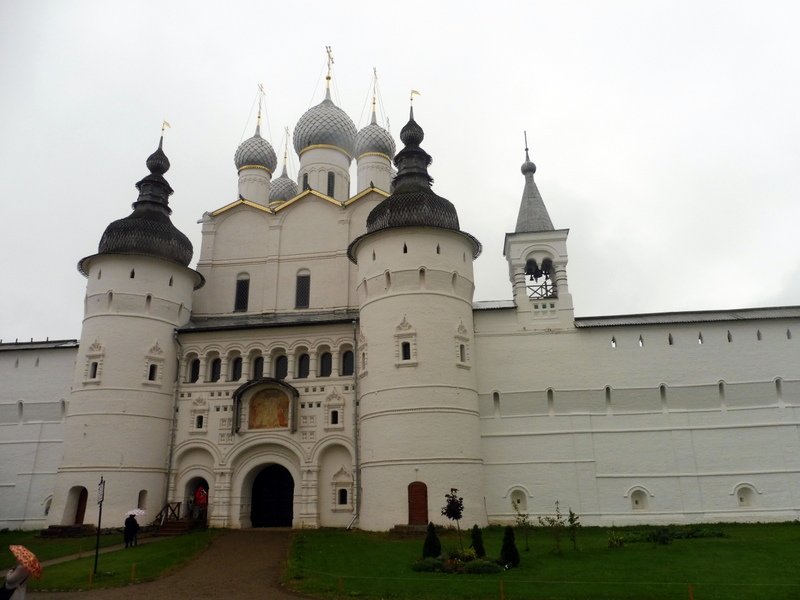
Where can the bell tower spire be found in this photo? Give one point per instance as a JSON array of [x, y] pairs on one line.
[[537, 261]]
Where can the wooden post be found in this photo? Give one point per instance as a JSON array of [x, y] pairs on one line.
[[502, 591], [133, 572], [340, 587], [91, 573], [691, 595]]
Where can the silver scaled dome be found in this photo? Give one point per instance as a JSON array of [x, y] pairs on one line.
[[325, 124], [374, 139], [282, 188], [255, 152]]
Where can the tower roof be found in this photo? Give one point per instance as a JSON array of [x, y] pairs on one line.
[[374, 139], [413, 202], [283, 188], [533, 215], [148, 230], [325, 125], [256, 152]]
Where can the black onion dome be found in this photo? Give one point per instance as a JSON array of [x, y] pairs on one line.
[[325, 124], [256, 152], [413, 203], [374, 139], [283, 188], [149, 230]]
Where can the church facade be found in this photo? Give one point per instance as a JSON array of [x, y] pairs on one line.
[[325, 365]]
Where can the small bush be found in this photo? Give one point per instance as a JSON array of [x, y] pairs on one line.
[[509, 555], [482, 567], [615, 539], [477, 541], [428, 565], [464, 556], [432, 547]]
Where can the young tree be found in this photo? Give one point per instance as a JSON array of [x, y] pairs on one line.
[[454, 510], [556, 527], [509, 555], [432, 547], [477, 541], [523, 522], [573, 524]]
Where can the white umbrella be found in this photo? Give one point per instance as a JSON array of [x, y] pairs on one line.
[[136, 511]]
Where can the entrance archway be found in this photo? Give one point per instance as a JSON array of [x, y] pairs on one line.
[[196, 501], [417, 503], [80, 510], [273, 496]]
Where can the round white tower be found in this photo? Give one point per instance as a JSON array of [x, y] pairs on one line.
[[420, 433], [121, 407]]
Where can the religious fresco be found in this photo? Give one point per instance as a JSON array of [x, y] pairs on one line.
[[269, 409]]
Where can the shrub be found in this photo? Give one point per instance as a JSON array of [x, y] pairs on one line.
[[509, 555], [477, 542], [428, 565], [482, 567], [432, 547], [615, 539], [554, 525], [573, 524], [464, 556]]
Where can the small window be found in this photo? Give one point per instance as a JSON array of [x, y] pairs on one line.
[[281, 367], [639, 500], [342, 497], [198, 422], [348, 363], [93, 371], [142, 501], [334, 417], [303, 366], [406, 350], [216, 369], [258, 367], [405, 249], [152, 373], [305, 182], [331, 183], [170, 282], [303, 291], [236, 369], [133, 273], [325, 364], [194, 371], [242, 293], [462, 352]]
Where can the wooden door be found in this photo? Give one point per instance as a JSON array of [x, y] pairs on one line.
[[417, 503]]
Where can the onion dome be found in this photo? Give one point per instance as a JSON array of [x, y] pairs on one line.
[[325, 125], [256, 152], [149, 230], [533, 215], [413, 203], [374, 139], [283, 188]]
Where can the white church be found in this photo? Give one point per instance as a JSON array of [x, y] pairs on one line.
[[324, 364]]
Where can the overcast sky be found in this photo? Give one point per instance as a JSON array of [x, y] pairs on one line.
[[666, 134]]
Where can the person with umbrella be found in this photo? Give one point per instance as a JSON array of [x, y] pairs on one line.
[[16, 585]]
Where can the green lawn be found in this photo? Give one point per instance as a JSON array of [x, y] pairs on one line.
[[754, 561], [117, 568]]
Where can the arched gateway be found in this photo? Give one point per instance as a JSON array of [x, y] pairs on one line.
[[273, 494]]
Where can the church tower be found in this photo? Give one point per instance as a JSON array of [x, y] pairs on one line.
[[537, 262], [120, 412], [420, 433]]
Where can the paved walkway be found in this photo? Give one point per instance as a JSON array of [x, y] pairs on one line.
[[241, 564]]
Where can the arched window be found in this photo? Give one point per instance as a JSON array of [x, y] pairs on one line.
[[236, 369], [334, 417], [194, 371], [303, 364], [325, 364], [305, 182], [142, 501], [546, 288], [406, 350], [639, 500], [216, 370], [281, 367], [519, 501], [342, 497], [331, 183], [152, 372], [93, 371], [198, 422], [258, 368], [242, 293], [303, 289], [348, 363]]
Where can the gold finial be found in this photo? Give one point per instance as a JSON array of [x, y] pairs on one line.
[[286, 148], [412, 95], [526, 140], [330, 63], [261, 95]]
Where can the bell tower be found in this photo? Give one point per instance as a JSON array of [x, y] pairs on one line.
[[537, 262]]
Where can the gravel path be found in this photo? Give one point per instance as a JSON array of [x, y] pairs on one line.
[[241, 564]]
